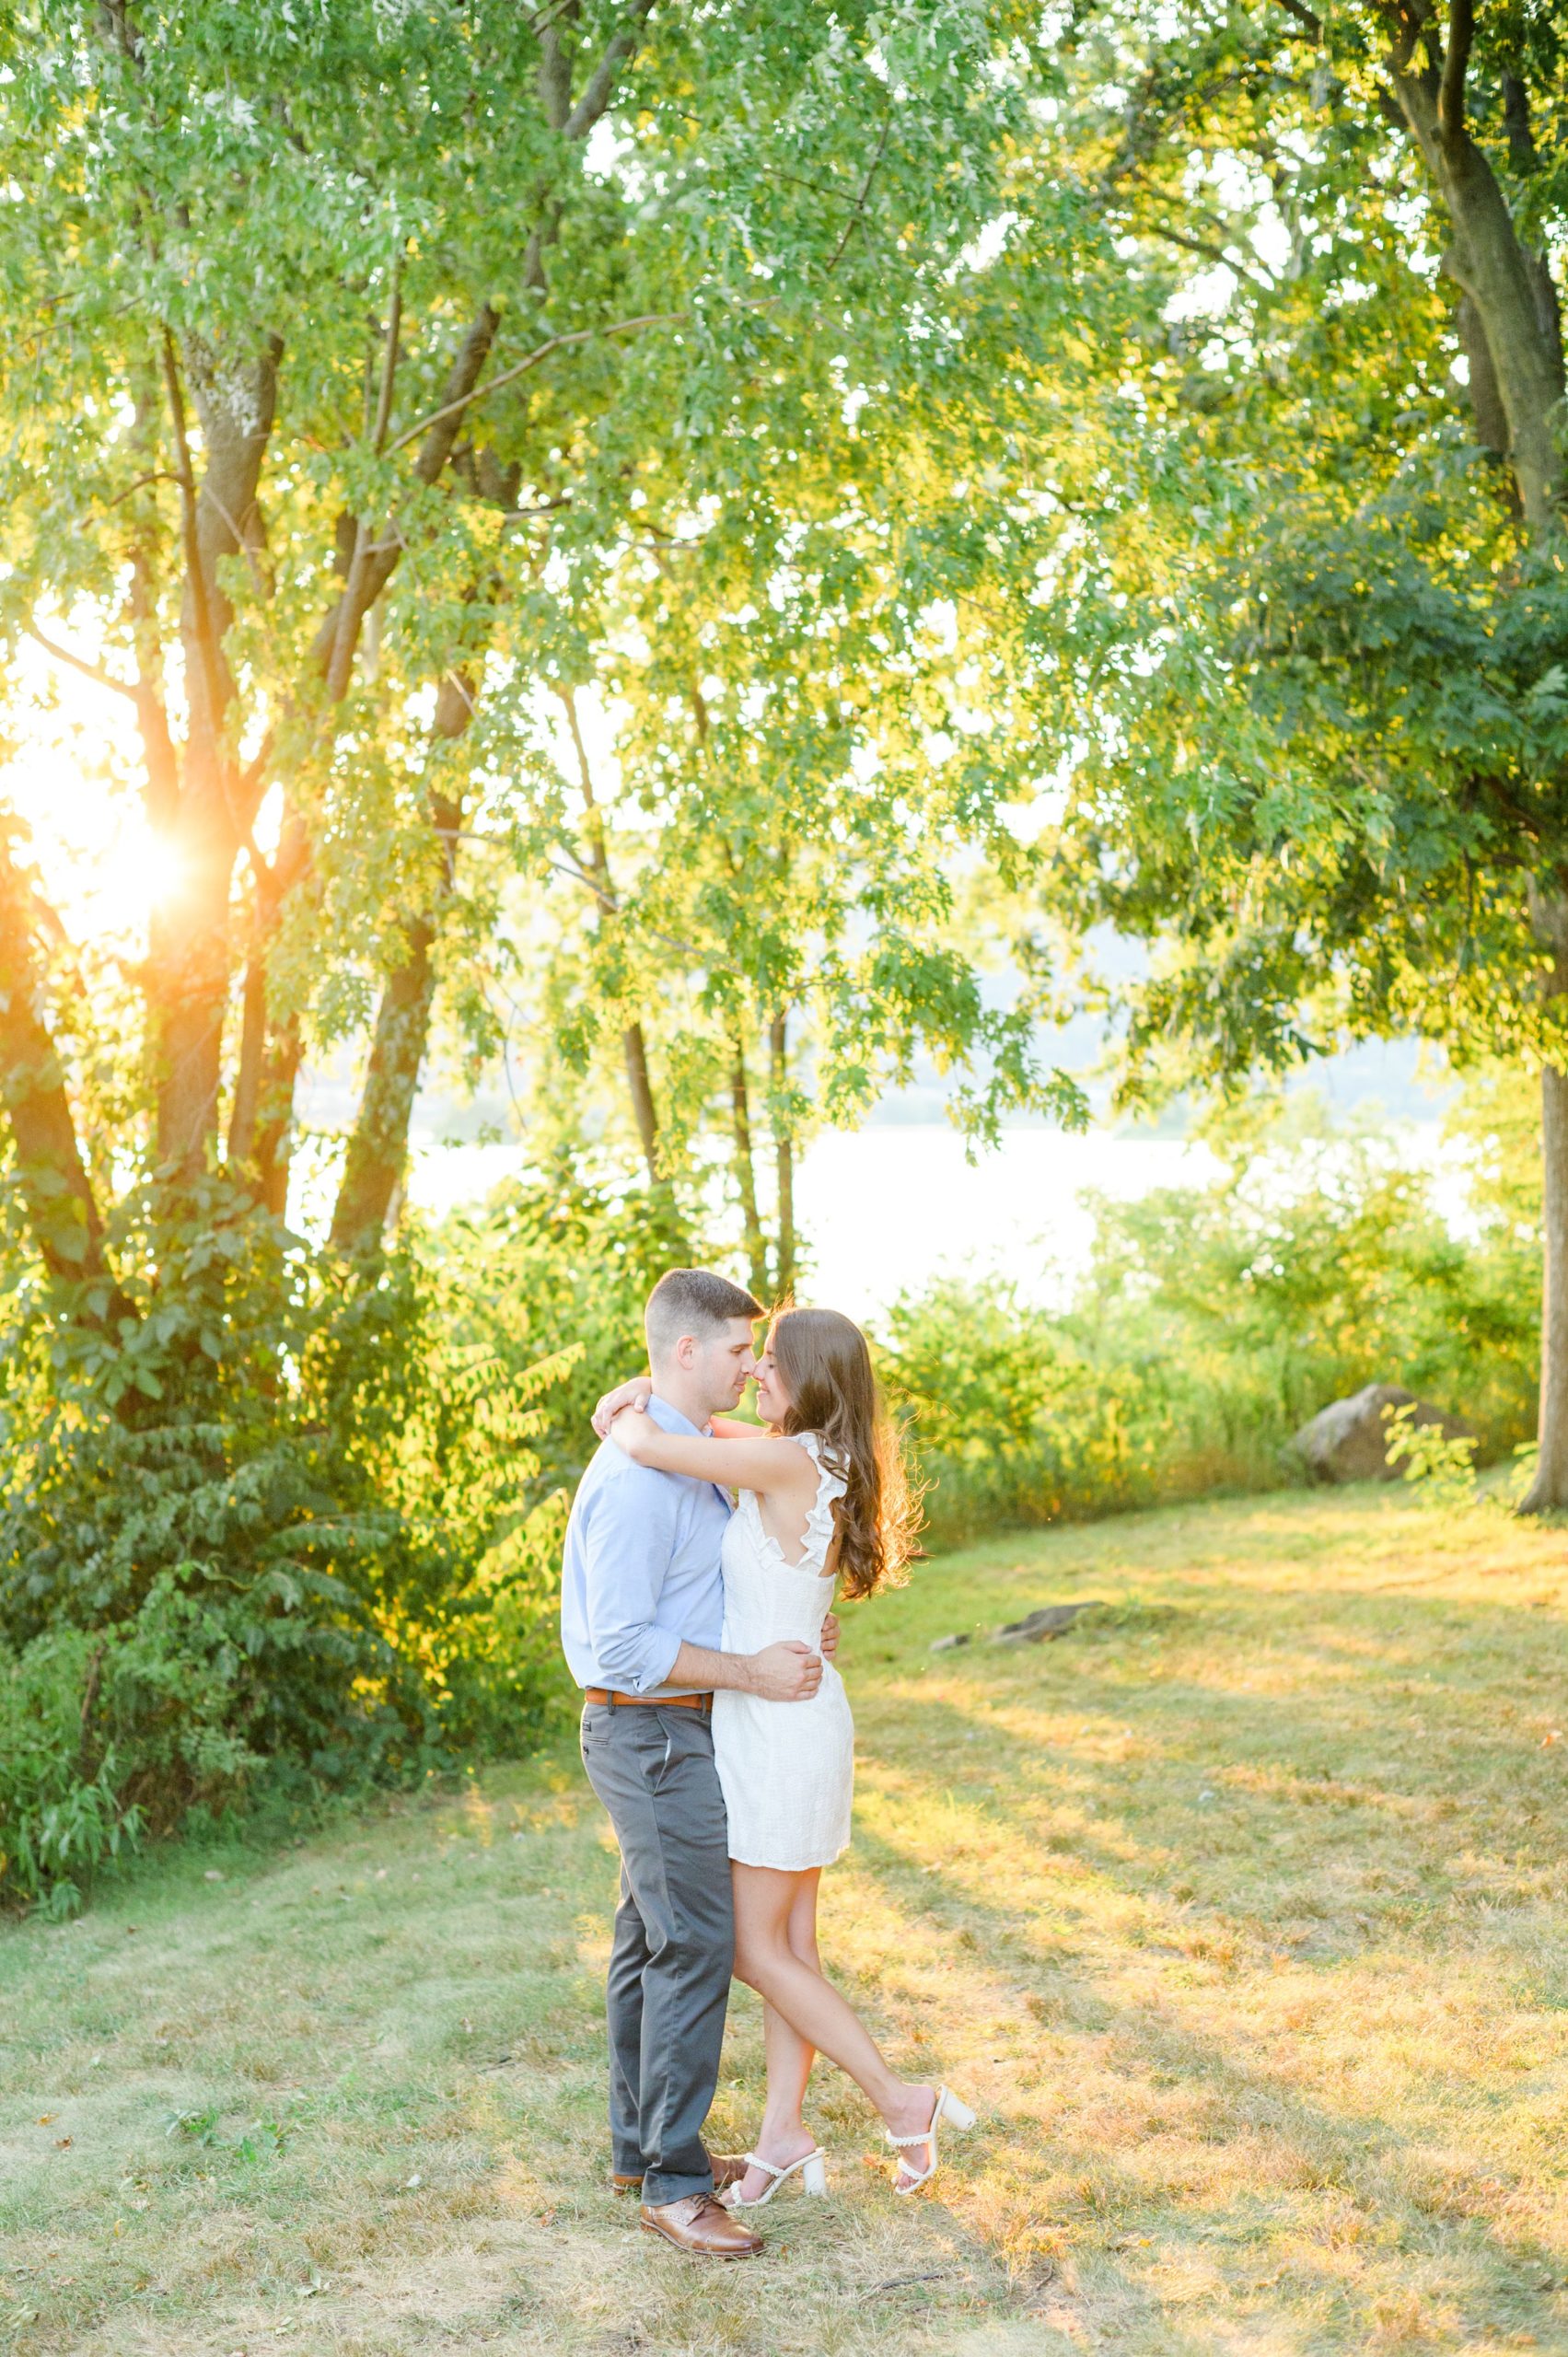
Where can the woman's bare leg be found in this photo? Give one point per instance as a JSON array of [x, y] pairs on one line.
[[809, 2004], [784, 2135]]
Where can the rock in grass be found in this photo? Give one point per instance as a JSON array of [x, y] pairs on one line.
[[1050, 1620], [1035, 1628], [1348, 1440]]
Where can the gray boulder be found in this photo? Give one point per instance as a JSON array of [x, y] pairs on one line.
[[1034, 1629], [1039, 1628], [1349, 1440]]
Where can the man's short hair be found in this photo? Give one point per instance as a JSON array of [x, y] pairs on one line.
[[693, 1301]]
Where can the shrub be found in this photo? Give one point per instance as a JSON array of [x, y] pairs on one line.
[[61, 1811], [287, 1523], [556, 1271], [1209, 1324]]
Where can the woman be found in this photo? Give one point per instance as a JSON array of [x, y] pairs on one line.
[[822, 1499]]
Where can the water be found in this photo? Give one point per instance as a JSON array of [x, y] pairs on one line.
[[885, 1209]]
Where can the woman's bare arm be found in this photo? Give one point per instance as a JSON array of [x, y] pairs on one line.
[[771, 1467]]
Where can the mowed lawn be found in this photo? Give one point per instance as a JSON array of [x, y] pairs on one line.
[[1240, 1914]]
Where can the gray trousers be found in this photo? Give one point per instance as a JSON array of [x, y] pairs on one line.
[[674, 1945]]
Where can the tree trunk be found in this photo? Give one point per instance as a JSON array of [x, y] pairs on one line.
[[252, 1056], [274, 1116], [634, 1041], [1550, 1488], [644, 1113], [1516, 329], [189, 941], [378, 1149], [261, 1134], [62, 1212], [746, 1177], [1548, 914], [188, 960], [784, 1149], [1509, 285]]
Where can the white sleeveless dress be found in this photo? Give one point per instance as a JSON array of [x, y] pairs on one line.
[[787, 1769]]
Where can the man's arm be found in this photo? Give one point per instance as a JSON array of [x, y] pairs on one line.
[[631, 1528], [628, 1537], [782, 1673]]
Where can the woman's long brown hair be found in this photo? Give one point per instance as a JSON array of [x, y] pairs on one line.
[[825, 1366]]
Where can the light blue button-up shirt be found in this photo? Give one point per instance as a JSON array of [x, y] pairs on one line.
[[641, 1575]]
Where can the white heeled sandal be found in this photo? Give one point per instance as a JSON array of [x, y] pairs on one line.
[[946, 2107], [813, 2168]]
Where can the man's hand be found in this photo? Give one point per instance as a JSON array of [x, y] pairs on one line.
[[830, 1636], [786, 1673], [636, 1394], [635, 1434]]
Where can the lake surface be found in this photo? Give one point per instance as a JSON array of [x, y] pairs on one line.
[[888, 1207]]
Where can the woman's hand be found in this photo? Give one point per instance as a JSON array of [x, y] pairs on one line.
[[637, 1435], [636, 1394]]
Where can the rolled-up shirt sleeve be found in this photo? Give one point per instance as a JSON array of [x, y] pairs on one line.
[[632, 1529]]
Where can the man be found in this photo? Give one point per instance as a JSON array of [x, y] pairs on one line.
[[641, 1615]]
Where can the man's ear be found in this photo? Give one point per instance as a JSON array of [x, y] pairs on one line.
[[686, 1351]]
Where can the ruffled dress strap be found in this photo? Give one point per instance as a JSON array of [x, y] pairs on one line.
[[831, 1486]]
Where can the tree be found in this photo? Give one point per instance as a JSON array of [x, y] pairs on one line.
[[348, 343], [263, 279], [771, 835], [1305, 653]]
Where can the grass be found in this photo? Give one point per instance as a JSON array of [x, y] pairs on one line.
[[1240, 1913]]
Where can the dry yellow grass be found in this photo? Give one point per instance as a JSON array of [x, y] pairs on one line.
[[1241, 1914]]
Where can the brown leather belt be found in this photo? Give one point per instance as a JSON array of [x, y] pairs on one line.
[[650, 1701]]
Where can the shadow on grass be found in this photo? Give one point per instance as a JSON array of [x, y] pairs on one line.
[[1370, 1734], [1408, 2198]]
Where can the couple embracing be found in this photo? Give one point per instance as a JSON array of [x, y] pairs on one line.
[[717, 1735]]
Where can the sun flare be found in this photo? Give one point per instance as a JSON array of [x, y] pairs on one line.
[[134, 878], [104, 869]]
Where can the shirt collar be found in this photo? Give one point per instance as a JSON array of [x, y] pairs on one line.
[[670, 1420]]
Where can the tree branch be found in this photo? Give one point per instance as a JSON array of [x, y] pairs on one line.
[[1214, 253], [440, 429], [354, 603], [1456, 65], [858, 208], [572, 868], [542, 351], [157, 474], [389, 353], [602, 82], [78, 663], [241, 542], [199, 609]]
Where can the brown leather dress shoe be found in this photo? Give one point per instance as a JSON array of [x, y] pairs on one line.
[[701, 2226]]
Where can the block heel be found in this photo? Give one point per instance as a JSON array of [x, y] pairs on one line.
[[956, 2115]]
